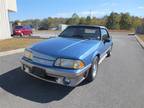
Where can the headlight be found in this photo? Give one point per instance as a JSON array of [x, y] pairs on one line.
[[28, 54], [68, 63]]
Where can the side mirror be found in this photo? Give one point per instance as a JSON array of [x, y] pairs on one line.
[[105, 39]]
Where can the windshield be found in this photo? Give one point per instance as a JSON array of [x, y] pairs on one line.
[[18, 27], [81, 32]]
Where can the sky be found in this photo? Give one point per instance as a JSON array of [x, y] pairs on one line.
[[33, 9]]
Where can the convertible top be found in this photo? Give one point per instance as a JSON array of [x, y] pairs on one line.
[[88, 26]]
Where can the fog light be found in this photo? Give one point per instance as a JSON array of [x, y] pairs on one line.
[[66, 81]]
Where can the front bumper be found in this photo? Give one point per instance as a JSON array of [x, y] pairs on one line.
[[56, 75]]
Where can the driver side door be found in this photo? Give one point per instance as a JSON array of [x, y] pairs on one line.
[[105, 38]]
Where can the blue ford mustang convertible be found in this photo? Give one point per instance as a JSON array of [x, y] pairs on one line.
[[71, 57]]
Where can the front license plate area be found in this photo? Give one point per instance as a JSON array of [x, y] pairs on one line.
[[39, 72]]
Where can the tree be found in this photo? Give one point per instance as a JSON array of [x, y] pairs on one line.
[[44, 24], [113, 21], [125, 22], [142, 21], [35, 23], [16, 22], [82, 20], [136, 21], [73, 20], [51, 22], [94, 21], [75, 16], [88, 20]]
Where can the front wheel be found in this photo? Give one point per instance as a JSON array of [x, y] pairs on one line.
[[30, 34], [21, 35], [93, 70], [109, 53]]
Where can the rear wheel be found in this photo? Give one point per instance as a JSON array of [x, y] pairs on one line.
[[93, 70]]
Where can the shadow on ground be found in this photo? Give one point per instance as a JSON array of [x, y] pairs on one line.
[[20, 84]]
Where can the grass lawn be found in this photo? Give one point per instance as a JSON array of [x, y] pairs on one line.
[[15, 43]]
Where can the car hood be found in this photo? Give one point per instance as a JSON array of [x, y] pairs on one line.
[[65, 47]]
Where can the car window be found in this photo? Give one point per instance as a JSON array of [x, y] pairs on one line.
[[24, 27], [81, 32], [27, 27], [104, 33], [18, 27]]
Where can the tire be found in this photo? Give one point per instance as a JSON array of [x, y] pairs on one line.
[[30, 34], [109, 53], [93, 70], [21, 34]]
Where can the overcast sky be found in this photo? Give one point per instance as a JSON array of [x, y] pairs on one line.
[[31, 9]]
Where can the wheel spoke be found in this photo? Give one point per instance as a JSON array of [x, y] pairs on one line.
[[94, 69]]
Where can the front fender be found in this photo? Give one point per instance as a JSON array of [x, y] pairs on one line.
[[94, 55], [88, 59]]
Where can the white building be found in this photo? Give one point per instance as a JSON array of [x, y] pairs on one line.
[[6, 6]]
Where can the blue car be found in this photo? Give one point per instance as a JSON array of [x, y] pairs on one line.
[[70, 58]]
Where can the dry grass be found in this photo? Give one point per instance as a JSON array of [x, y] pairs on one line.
[[129, 32], [47, 31], [119, 30], [15, 43], [142, 37]]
